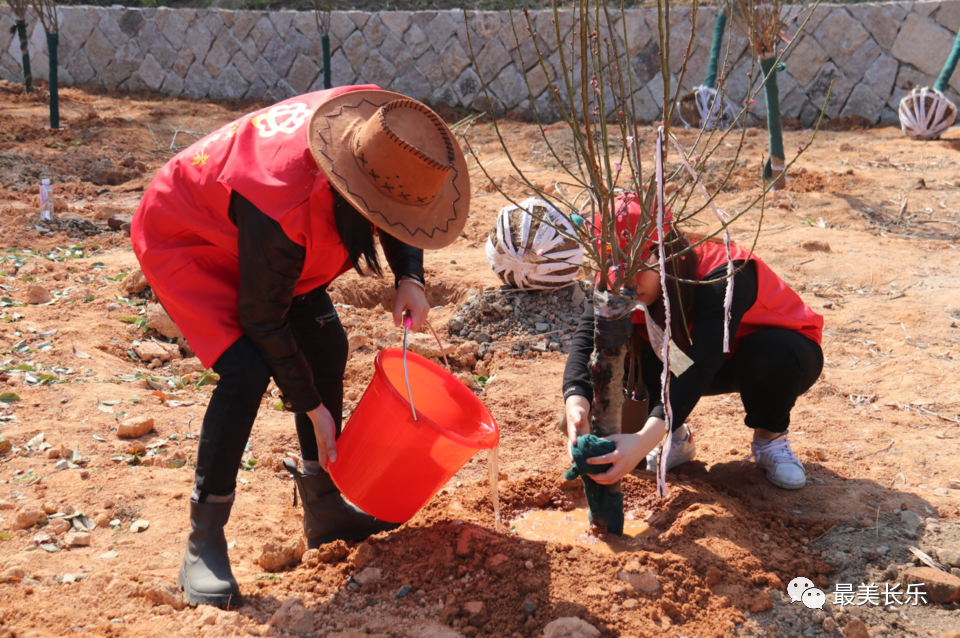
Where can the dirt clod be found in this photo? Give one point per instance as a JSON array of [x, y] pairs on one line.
[[856, 629], [476, 613], [762, 602], [365, 553], [162, 592], [333, 552], [281, 553], [499, 564], [816, 246]]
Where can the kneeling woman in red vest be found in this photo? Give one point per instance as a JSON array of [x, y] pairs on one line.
[[774, 357], [240, 234]]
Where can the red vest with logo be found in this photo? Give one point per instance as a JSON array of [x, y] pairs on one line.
[[777, 306], [183, 236]]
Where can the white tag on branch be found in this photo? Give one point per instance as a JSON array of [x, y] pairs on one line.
[[679, 361]]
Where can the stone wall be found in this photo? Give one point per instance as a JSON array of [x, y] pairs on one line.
[[873, 53]]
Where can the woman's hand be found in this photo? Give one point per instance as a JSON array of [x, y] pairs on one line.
[[326, 431], [630, 449], [578, 418], [410, 298]]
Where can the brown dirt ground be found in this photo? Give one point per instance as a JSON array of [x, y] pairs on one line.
[[867, 232]]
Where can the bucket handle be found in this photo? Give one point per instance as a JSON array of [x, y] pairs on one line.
[[407, 322]]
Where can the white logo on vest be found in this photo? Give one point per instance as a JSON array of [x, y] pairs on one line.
[[283, 118]]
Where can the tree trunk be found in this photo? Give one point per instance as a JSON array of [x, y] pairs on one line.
[[607, 363], [25, 56], [325, 50], [774, 169], [53, 41]]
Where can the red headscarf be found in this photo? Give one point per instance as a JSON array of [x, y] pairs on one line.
[[629, 213]]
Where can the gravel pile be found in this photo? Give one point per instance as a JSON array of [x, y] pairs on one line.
[[74, 226], [524, 320]]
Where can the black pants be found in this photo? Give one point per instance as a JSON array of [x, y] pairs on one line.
[[244, 377], [770, 370]]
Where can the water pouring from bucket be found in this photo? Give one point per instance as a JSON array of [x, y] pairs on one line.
[[415, 426]]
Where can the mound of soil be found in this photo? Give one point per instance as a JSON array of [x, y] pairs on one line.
[[712, 560], [527, 320]]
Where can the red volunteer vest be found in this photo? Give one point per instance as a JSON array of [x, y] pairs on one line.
[[183, 236], [777, 306]]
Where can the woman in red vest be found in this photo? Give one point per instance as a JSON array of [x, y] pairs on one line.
[[774, 356], [241, 233]]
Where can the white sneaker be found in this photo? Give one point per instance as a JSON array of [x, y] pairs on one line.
[[682, 449], [782, 466]]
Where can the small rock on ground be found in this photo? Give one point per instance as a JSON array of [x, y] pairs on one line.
[[135, 427], [570, 628], [150, 350], [911, 521], [468, 380], [139, 525], [28, 517], [77, 539], [37, 294], [368, 575], [159, 320], [293, 617], [949, 557], [939, 586], [134, 283], [646, 581]]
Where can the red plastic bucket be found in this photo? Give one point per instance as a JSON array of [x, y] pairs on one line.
[[388, 464]]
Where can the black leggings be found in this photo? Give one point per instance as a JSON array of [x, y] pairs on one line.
[[770, 369], [244, 377]]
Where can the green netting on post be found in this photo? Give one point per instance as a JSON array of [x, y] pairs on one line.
[[49, 17], [774, 127], [949, 66], [25, 56], [713, 64], [53, 42], [325, 51]]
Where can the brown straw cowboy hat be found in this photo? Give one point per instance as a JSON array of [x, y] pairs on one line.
[[396, 162]]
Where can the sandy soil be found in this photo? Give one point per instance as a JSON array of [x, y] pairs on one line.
[[867, 232]]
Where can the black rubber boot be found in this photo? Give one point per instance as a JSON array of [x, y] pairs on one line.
[[205, 575], [326, 516]]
